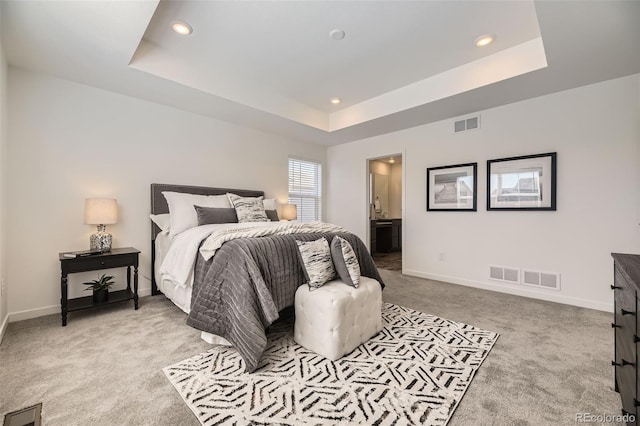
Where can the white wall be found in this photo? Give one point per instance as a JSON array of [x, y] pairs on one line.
[[3, 186], [68, 142], [594, 130], [380, 176], [395, 191]]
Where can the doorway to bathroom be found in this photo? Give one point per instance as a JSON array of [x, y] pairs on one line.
[[384, 198]]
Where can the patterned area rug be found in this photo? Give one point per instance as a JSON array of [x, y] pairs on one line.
[[415, 371]]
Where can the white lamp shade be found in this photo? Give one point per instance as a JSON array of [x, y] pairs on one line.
[[289, 212], [100, 211]]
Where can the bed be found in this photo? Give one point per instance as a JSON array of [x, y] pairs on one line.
[[160, 206], [237, 288]]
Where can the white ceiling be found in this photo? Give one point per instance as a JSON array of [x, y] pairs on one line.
[[272, 65], [285, 47]]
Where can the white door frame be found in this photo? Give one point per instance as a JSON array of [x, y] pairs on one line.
[[402, 155]]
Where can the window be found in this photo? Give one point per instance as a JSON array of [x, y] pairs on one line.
[[305, 189]]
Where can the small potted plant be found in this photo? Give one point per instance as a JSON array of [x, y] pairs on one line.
[[100, 288]]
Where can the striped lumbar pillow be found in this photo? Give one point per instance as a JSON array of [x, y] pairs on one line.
[[345, 261], [316, 261]]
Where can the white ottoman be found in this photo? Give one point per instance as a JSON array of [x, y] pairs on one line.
[[336, 318]]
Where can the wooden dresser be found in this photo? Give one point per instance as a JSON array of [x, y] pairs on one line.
[[627, 333]]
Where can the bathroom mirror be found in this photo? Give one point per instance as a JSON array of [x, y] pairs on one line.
[[380, 196]]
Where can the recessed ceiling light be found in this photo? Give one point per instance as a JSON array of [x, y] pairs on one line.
[[337, 34], [485, 40], [391, 160], [336, 101], [182, 28]]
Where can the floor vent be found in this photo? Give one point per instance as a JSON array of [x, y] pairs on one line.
[[470, 123], [541, 279], [502, 273], [29, 416]]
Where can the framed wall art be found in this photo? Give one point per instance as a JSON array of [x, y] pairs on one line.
[[522, 183], [452, 188]]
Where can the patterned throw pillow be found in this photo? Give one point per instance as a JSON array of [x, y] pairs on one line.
[[316, 260], [345, 261], [248, 209]]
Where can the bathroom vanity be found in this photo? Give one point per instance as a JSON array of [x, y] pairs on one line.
[[386, 235]]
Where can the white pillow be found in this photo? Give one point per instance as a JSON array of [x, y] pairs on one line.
[[270, 204], [162, 220], [183, 214]]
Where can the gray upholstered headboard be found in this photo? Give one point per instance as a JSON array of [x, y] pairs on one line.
[[159, 203], [159, 206]]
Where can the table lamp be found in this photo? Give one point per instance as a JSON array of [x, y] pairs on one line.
[[101, 212], [289, 212]]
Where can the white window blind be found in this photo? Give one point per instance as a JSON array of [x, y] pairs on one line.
[[305, 188]]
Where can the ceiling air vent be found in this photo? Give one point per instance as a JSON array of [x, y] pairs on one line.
[[470, 123]]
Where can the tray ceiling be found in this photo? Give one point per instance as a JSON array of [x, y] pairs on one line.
[[273, 65]]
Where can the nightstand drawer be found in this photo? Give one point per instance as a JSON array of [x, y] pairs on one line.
[[92, 263]]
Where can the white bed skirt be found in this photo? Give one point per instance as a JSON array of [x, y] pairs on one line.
[[180, 296]]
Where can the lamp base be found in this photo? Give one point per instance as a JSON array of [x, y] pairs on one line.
[[101, 240]]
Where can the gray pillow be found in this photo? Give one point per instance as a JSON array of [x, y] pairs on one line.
[[345, 261], [316, 262], [213, 215], [272, 215]]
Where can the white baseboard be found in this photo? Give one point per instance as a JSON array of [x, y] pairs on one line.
[[55, 309], [3, 327], [33, 313], [524, 292]]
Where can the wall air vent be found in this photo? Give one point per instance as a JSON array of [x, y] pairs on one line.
[[470, 123], [505, 274], [548, 280], [541, 279]]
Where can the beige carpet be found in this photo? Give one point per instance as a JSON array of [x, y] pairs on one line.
[[105, 368]]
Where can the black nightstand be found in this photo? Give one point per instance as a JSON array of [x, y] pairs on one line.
[[116, 258]]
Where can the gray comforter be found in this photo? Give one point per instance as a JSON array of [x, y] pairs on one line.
[[238, 293]]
